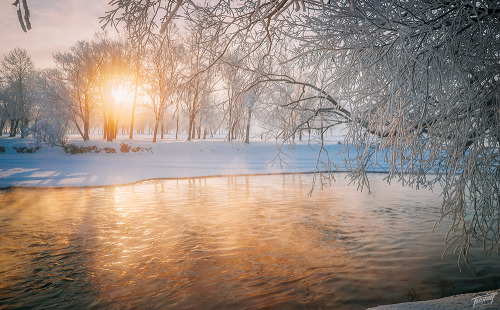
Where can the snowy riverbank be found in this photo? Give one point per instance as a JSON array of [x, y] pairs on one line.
[[481, 301], [168, 158]]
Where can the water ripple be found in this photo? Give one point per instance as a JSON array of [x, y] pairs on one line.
[[234, 242]]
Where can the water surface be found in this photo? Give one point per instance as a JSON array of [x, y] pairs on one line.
[[229, 242]]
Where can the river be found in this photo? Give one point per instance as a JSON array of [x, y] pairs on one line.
[[228, 242]]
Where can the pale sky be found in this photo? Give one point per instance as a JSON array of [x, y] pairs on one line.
[[56, 25]]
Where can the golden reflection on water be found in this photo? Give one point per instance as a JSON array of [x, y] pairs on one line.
[[231, 242]]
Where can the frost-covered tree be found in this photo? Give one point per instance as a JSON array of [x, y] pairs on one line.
[[112, 70], [17, 72], [242, 90], [234, 84], [417, 81], [198, 76], [138, 38], [252, 94], [52, 108], [78, 70], [162, 73], [421, 83], [3, 108]]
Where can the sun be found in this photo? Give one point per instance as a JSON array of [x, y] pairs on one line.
[[120, 94]]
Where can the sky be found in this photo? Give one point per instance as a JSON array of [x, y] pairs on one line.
[[56, 26]]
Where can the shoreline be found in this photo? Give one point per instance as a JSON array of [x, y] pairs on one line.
[[456, 302], [168, 159], [182, 178]]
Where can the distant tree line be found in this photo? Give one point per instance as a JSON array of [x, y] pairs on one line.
[[169, 81]]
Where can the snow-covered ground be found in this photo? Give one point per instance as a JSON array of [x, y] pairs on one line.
[[168, 158], [480, 301]]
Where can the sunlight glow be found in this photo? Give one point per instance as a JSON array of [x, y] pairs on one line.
[[119, 93]]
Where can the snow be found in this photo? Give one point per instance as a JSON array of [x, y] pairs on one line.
[[457, 302], [168, 158]]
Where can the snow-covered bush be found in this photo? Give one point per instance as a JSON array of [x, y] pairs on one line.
[[74, 149], [109, 150], [53, 133], [26, 149], [124, 147], [50, 109]]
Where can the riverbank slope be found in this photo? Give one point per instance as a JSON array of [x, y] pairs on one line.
[[126, 161], [481, 301]]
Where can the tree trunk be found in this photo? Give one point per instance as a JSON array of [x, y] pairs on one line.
[[135, 95], [105, 130], [78, 128], [233, 128], [177, 128], [193, 129], [86, 118], [204, 133], [132, 121], [115, 132], [247, 136], [111, 127], [162, 130], [155, 130], [13, 127], [322, 132], [86, 130], [190, 126], [199, 131], [16, 126], [24, 128], [2, 124]]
